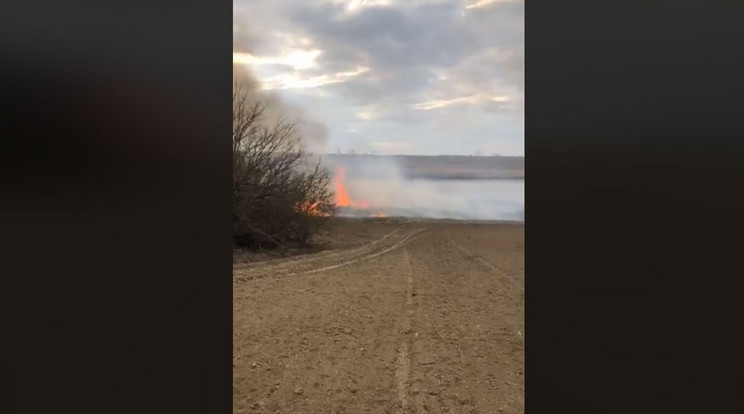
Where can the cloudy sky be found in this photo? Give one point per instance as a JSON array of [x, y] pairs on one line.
[[393, 76]]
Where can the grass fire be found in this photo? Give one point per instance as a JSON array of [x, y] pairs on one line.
[[346, 203]]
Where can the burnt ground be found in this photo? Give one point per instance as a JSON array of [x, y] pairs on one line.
[[395, 316]]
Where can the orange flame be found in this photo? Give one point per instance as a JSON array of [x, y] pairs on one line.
[[342, 197], [312, 209]]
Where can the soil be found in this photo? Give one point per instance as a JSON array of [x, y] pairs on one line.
[[394, 316]]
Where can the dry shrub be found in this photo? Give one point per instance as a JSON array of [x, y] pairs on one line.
[[280, 197]]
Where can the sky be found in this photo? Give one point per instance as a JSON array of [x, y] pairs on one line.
[[423, 77]]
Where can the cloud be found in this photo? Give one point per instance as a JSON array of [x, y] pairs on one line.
[[443, 103], [392, 65], [294, 81], [486, 3], [296, 59]]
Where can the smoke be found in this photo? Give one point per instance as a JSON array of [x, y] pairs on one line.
[[432, 187], [312, 134]]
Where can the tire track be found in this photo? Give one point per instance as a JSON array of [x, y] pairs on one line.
[[403, 368], [497, 270], [501, 274], [403, 241], [326, 254], [285, 267], [279, 263], [470, 254]]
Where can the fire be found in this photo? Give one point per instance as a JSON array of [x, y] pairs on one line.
[[312, 209], [342, 197]]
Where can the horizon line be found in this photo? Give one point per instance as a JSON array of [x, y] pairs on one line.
[[419, 155]]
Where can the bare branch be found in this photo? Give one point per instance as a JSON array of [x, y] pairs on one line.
[[278, 197]]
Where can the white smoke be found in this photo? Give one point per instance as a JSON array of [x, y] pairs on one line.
[[396, 188]]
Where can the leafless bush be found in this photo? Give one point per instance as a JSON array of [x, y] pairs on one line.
[[279, 196]]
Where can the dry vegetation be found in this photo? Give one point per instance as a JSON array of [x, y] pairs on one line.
[[280, 198]]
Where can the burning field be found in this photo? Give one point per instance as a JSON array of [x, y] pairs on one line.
[[432, 187], [348, 206]]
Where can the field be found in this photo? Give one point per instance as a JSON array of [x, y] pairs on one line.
[[394, 316], [434, 167]]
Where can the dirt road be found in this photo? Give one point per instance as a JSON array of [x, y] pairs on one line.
[[422, 317]]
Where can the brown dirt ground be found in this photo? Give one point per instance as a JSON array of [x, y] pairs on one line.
[[393, 317]]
